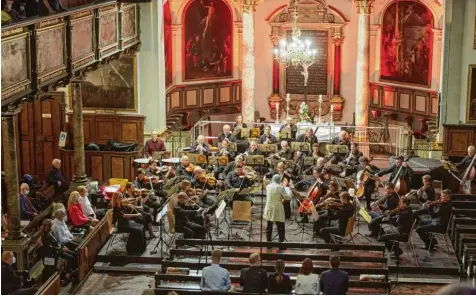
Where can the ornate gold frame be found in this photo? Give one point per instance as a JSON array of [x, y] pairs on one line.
[[136, 99], [468, 99]]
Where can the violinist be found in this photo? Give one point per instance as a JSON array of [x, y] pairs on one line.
[[226, 135], [142, 198], [389, 202], [440, 217], [239, 179], [325, 215], [274, 209], [200, 147], [202, 181], [406, 171], [231, 166], [195, 181], [225, 150], [153, 169], [185, 168], [141, 178], [369, 186], [183, 219], [308, 137], [426, 193], [315, 151], [353, 155], [267, 137], [402, 219], [344, 212]]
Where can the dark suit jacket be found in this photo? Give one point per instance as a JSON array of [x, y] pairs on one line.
[[254, 280], [404, 221], [262, 139], [465, 162], [231, 137], [26, 208], [303, 138], [441, 214], [406, 172], [11, 282], [54, 175]]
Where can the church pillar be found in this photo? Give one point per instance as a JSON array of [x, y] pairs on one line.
[[362, 74], [9, 135], [80, 177], [337, 39], [275, 99], [248, 61]]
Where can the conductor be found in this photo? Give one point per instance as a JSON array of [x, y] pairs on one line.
[[274, 209]]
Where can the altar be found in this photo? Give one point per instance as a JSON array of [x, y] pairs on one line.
[[325, 132]]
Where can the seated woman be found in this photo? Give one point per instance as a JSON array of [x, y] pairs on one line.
[[76, 214], [61, 231], [307, 282], [128, 222]]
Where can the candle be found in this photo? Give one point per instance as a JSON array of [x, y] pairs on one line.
[[320, 98], [332, 108]]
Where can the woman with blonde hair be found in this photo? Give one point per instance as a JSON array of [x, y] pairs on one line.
[[127, 221], [76, 214]]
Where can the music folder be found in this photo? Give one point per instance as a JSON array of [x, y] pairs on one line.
[[220, 209], [340, 149], [255, 132], [310, 161], [245, 132], [254, 160], [268, 148], [218, 160], [301, 146], [162, 154], [162, 213], [231, 146]]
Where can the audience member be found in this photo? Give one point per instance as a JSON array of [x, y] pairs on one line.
[[215, 277], [85, 202], [27, 211], [278, 282], [307, 282], [55, 178], [254, 279], [334, 281], [457, 289], [61, 231], [52, 248], [11, 282], [76, 214]]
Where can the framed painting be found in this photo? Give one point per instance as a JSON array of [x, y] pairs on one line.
[[208, 34], [406, 44], [471, 101], [111, 87]]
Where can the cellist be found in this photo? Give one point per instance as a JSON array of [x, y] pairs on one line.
[[323, 220], [406, 171], [369, 185]]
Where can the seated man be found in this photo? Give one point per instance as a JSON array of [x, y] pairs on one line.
[[227, 134], [358, 170], [327, 214], [403, 222], [342, 215], [238, 179], [253, 150], [390, 203], [440, 217], [154, 144], [153, 169], [304, 185], [11, 282], [267, 137], [185, 168], [55, 178], [183, 219], [214, 277], [353, 155], [85, 202], [406, 171], [61, 232], [343, 138], [334, 281], [225, 150], [254, 279], [231, 166], [308, 137], [27, 211], [320, 163], [200, 147]]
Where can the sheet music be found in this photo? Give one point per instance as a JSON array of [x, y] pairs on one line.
[[162, 213], [220, 209]]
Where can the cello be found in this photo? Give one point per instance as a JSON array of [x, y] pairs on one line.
[[401, 186], [313, 194], [468, 176], [362, 178]]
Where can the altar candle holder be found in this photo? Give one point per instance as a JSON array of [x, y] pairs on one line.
[[277, 112], [332, 114], [288, 99], [320, 109]]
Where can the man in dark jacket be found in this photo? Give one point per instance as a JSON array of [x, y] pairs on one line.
[[334, 281], [342, 215], [11, 282], [27, 211], [406, 171], [254, 279], [55, 178], [183, 222]]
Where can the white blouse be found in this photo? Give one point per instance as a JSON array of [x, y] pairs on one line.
[[307, 284]]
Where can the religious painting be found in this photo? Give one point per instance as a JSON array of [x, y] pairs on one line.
[[168, 43], [208, 40], [107, 28], [112, 86], [50, 49], [406, 45], [15, 61], [471, 104]]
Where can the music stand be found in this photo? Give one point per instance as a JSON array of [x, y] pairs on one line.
[[231, 146], [224, 195], [359, 211], [301, 146], [159, 155], [255, 132], [268, 148], [285, 134], [245, 132], [160, 215], [309, 161], [339, 149]]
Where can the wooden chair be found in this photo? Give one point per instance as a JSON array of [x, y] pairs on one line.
[[348, 232]]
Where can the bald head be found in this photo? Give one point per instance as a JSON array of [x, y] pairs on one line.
[[226, 129], [471, 151]]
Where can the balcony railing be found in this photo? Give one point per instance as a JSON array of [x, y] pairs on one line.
[[38, 53]]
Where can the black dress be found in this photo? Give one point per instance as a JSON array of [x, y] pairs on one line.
[[283, 287], [136, 242]]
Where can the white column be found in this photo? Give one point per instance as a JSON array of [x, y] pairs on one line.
[[362, 74], [177, 54], [248, 62], [436, 67], [151, 67]]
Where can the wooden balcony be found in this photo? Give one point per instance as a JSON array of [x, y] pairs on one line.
[[39, 54]]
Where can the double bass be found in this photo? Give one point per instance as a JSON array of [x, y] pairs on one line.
[[363, 176], [313, 194], [468, 176], [401, 186]]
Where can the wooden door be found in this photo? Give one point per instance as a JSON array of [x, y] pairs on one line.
[[40, 124]]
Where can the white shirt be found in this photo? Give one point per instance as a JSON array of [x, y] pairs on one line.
[[307, 284], [86, 204], [61, 231], [274, 210]]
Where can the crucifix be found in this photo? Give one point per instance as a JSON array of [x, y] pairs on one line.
[[305, 73]]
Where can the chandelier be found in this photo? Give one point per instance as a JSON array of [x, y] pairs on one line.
[[297, 52]]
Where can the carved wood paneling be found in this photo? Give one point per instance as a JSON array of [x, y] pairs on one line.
[[457, 138], [83, 42], [104, 129], [108, 24], [117, 167], [96, 167]]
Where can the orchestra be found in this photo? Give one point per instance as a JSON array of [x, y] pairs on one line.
[[325, 197]]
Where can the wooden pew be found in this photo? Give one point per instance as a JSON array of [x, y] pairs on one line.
[[464, 204], [52, 286], [195, 280], [284, 256], [270, 267], [464, 239], [90, 247], [465, 212]]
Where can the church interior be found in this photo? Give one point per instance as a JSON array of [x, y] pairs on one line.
[[238, 147]]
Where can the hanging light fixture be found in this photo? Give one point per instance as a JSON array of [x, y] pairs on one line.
[[297, 52]]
